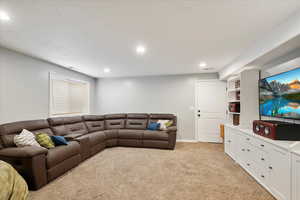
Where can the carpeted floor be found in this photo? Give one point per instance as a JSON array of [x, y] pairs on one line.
[[194, 171]]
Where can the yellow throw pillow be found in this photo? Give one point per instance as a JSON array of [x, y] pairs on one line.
[[169, 123], [44, 140]]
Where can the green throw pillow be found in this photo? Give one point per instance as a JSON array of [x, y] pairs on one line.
[[169, 123], [44, 140]]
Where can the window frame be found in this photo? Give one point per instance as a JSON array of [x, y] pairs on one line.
[[55, 76]]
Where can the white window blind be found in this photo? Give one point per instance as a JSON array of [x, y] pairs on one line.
[[68, 97]]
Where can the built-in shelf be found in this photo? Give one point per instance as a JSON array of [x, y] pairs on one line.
[[234, 113], [233, 90], [233, 101], [234, 78]]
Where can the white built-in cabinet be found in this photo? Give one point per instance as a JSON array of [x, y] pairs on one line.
[[269, 162], [295, 176]]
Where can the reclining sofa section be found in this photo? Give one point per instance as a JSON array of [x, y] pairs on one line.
[[87, 135]]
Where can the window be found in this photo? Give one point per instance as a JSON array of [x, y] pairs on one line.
[[68, 97]]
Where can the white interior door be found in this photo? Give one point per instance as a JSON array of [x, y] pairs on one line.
[[210, 109]]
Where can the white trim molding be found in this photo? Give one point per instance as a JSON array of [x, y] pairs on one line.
[[181, 140]]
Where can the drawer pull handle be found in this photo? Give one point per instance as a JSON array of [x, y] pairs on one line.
[[270, 167], [248, 164], [262, 159], [262, 176], [248, 139], [262, 145], [243, 149], [248, 150]]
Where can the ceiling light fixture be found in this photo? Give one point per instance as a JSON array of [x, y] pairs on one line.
[[106, 70], [207, 68], [202, 64], [140, 49], [4, 16]]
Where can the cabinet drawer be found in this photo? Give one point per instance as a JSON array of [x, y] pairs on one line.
[[262, 145], [261, 158], [262, 175], [259, 144]]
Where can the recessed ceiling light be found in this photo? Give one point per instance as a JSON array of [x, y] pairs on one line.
[[4, 16], [202, 64], [106, 70], [140, 49], [207, 68]]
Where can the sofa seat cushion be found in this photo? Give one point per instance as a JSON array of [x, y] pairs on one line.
[[131, 134], [155, 135], [61, 153], [72, 136], [111, 134], [96, 137]]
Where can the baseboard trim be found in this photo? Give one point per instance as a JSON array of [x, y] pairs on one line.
[[193, 141]]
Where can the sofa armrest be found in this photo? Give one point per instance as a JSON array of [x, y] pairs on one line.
[[30, 162], [23, 152], [172, 129], [172, 132]]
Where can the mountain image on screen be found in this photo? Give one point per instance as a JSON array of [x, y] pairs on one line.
[[280, 95]]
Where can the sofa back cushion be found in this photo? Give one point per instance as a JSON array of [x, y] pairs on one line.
[[94, 122], [9, 130], [68, 126], [57, 125], [115, 121], [155, 117], [136, 121]]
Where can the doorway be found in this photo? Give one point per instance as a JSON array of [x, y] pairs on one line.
[[210, 109]]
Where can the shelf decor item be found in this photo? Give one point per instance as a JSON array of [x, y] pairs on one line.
[[234, 107], [237, 84], [236, 119], [238, 95]]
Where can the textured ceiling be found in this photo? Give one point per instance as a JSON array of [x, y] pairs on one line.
[[91, 35]]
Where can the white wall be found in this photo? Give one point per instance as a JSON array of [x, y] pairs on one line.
[[24, 86], [274, 38], [169, 94]]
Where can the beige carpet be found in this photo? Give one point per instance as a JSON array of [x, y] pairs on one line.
[[194, 171]]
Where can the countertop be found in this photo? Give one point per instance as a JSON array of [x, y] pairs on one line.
[[287, 145]]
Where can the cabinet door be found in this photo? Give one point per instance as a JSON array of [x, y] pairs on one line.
[[279, 173], [227, 140], [234, 141], [296, 177], [242, 150]]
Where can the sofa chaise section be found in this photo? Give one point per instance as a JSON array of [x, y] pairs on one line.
[[165, 139], [29, 161]]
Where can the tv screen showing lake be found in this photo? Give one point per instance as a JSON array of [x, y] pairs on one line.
[[280, 95]]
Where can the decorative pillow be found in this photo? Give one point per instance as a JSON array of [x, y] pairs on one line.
[[164, 124], [168, 124], [44, 140], [25, 138], [153, 126], [59, 140]]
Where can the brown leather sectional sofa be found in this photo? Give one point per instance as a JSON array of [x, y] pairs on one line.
[[87, 135]]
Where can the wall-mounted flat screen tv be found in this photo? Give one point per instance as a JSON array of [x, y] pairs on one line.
[[279, 95]]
